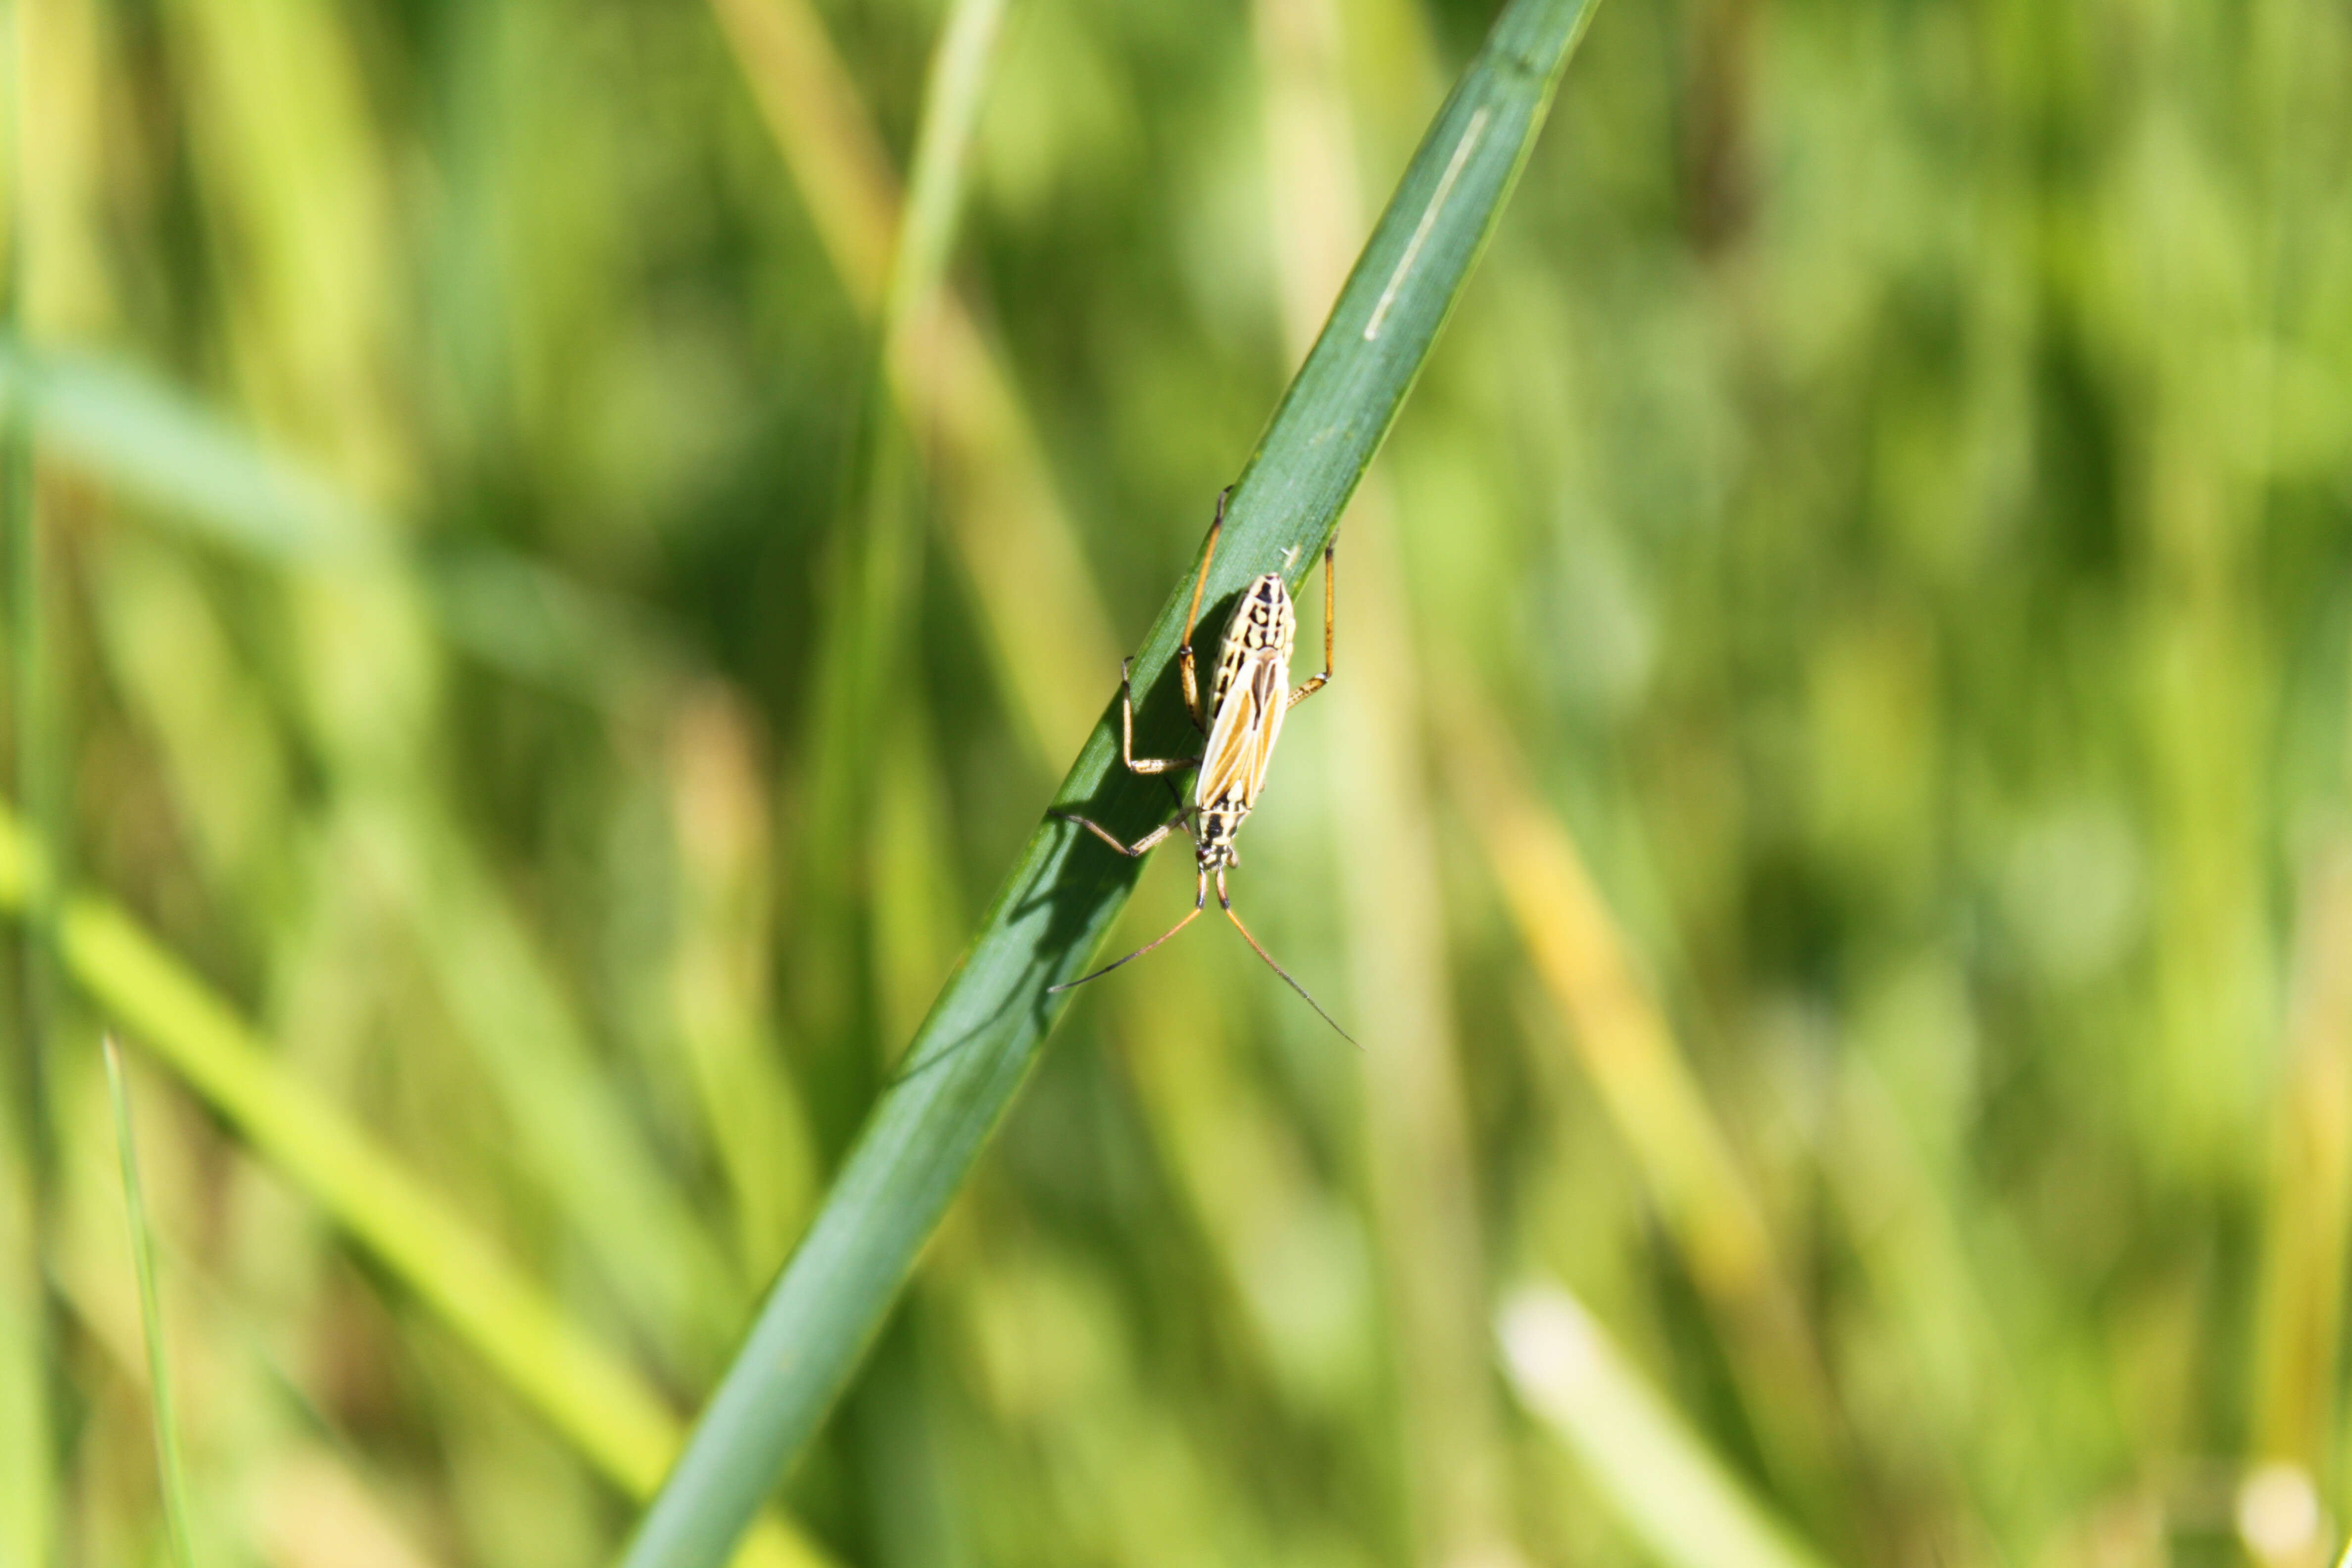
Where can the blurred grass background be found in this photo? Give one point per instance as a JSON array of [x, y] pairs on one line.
[[1832, 824]]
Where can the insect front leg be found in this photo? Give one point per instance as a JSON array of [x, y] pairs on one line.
[[1184, 662], [1330, 607]]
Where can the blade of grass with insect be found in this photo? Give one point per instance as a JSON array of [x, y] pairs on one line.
[[1420, 1167], [1054, 908], [1671, 1492], [170, 1474], [592, 1399]]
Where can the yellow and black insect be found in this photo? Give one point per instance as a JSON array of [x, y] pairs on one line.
[[1241, 721]]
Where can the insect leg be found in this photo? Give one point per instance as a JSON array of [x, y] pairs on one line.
[[1270, 964], [1199, 902], [1136, 764], [1330, 606], [1193, 619], [1134, 851], [1184, 813]]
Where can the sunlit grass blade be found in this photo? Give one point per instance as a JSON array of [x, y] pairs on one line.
[[609, 1413], [1057, 903], [953, 98], [172, 1475], [1670, 1490]]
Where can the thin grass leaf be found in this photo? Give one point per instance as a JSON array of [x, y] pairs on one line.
[[27, 1484], [1006, 522], [155, 446], [2300, 1313], [656, 1253], [952, 98], [170, 1474], [1649, 1087], [1055, 906], [27, 1449], [152, 445], [813, 110], [718, 980], [877, 554], [591, 1398], [1671, 1492]]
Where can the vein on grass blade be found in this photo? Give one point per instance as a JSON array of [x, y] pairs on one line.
[[1462, 152]]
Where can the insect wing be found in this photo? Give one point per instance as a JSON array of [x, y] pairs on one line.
[[1243, 731]]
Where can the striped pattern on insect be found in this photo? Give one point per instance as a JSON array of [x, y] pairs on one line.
[[1247, 702]]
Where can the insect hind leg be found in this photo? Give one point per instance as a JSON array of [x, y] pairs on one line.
[[1134, 851]]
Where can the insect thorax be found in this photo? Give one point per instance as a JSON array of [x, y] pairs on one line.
[[1263, 621], [1217, 827]]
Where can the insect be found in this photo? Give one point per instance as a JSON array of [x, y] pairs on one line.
[[1247, 702]]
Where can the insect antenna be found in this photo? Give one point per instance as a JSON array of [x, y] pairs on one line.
[[1192, 915], [1270, 964]]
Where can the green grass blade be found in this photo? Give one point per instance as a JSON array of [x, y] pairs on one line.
[[1003, 516], [1053, 910], [149, 444], [953, 98], [29, 1449], [27, 1484], [879, 548], [152, 445], [1668, 1488], [595, 1400], [172, 1476]]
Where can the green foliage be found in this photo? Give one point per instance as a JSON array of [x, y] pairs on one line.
[[536, 626], [172, 1476]]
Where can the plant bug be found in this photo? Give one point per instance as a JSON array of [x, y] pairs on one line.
[[1240, 722]]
